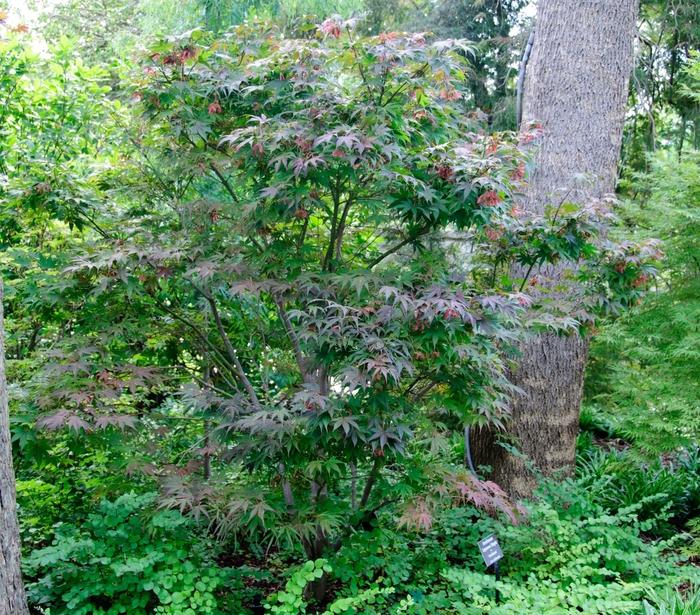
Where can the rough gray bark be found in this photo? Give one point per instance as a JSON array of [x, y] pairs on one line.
[[576, 86], [12, 598]]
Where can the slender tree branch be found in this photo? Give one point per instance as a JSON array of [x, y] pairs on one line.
[[370, 90], [216, 353], [371, 480], [334, 225], [207, 454], [561, 202], [404, 85], [414, 382], [527, 275], [302, 235], [231, 351], [341, 228], [395, 249], [293, 338], [353, 486], [207, 384], [425, 390], [286, 488], [224, 182]]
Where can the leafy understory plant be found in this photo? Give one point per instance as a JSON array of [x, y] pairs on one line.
[[125, 559], [638, 361], [576, 557], [533, 595], [290, 601]]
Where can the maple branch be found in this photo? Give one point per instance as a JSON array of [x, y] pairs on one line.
[[224, 182], [334, 228], [527, 275], [157, 174], [371, 480], [170, 417], [494, 272], [323, 383], [419, 73], [207, 384], [293, 338], [216, 352], [414, 382], [302, 235], [353, 486], [206, 426], [341, 228], [373, 238], [366, 516], [286, 487], [207, 456], [231, 351], [370, 91], [425, 390], [382, 89], [33, 339], [369, 513], [561, 203], [317, 491], [104, 234], [396, 248]]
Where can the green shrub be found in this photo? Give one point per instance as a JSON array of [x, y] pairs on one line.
[[570, 556], [38, 501], [534, 595], [124, 559], [644, 368], [617, 480], [290, 601], [573, 556]]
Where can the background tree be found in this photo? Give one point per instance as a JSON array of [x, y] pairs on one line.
[[491, 26], [12, 598], [669, 33], [577, 87], [107, 31], [13, 66]]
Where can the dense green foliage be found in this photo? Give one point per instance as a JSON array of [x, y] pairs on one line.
[[259, 278], [125, 558], [645, 369], [571, 553]]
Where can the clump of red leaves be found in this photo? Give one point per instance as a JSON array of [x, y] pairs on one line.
[[456, 489]]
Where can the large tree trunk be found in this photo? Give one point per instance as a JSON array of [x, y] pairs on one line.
[[12, 598], [576, 85]]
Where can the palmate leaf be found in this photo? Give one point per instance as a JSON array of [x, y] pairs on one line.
[[326, 469], [258, 511], [348, 424], [121, 421], [64, 418], [54, 421]]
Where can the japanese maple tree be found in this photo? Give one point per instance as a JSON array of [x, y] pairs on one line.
[[310, 246]]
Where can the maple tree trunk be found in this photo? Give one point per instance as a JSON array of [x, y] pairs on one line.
[[12, 598], [576, 86]]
